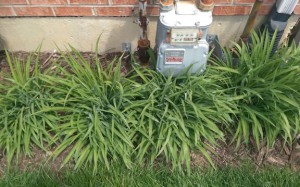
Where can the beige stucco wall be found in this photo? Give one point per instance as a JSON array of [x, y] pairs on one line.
[[28, 33]]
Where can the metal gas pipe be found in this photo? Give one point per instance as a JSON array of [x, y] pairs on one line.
[[251, 21], [143, 42]]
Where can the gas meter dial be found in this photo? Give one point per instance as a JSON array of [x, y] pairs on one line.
[[184, 36]]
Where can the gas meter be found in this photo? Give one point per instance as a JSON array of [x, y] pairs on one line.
[[181, 37]]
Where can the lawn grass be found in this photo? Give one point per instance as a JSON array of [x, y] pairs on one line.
[[244, 175]]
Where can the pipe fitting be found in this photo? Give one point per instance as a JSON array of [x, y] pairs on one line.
[[205, 5], [166, 5], [143, 46]]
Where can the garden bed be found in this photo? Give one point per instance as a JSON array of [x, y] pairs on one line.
[[82, 110]]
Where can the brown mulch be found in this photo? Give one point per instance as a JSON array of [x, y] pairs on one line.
[[46, 59], [279, 155], [224, 154]]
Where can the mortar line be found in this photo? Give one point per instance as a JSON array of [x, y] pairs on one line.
[[14, 12], [53, 12], [94, 11]]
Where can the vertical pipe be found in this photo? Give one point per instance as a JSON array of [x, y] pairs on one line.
[[143, 42], [276, 26], [251, 20], [143, 21]]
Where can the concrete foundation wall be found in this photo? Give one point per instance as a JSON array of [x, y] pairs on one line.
[[26, 34]]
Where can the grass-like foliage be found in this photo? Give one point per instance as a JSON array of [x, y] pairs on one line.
[[27, 116], [266, 89], [97, 116], [136, 118], [94, 125], [174, 116]]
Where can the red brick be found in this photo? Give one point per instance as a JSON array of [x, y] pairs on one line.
[[73, 11], [127, 2], [297, 10], [6, 11], [33, 11], [12, 2], [95, 2], [265, 9], [114, 11], [153, 11], [47, 2], [231, 10], [244, 1], [223, 1], [253, 1]]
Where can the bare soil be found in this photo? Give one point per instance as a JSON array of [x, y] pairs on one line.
[[223, 155]]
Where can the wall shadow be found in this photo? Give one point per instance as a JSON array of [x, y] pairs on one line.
[[2, 44]]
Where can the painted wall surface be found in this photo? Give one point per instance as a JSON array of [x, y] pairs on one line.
[[82, 32]]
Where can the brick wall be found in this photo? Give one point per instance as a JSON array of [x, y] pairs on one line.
[[113, 7]]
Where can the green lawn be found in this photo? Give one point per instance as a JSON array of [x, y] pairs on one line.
[[244, 175]]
